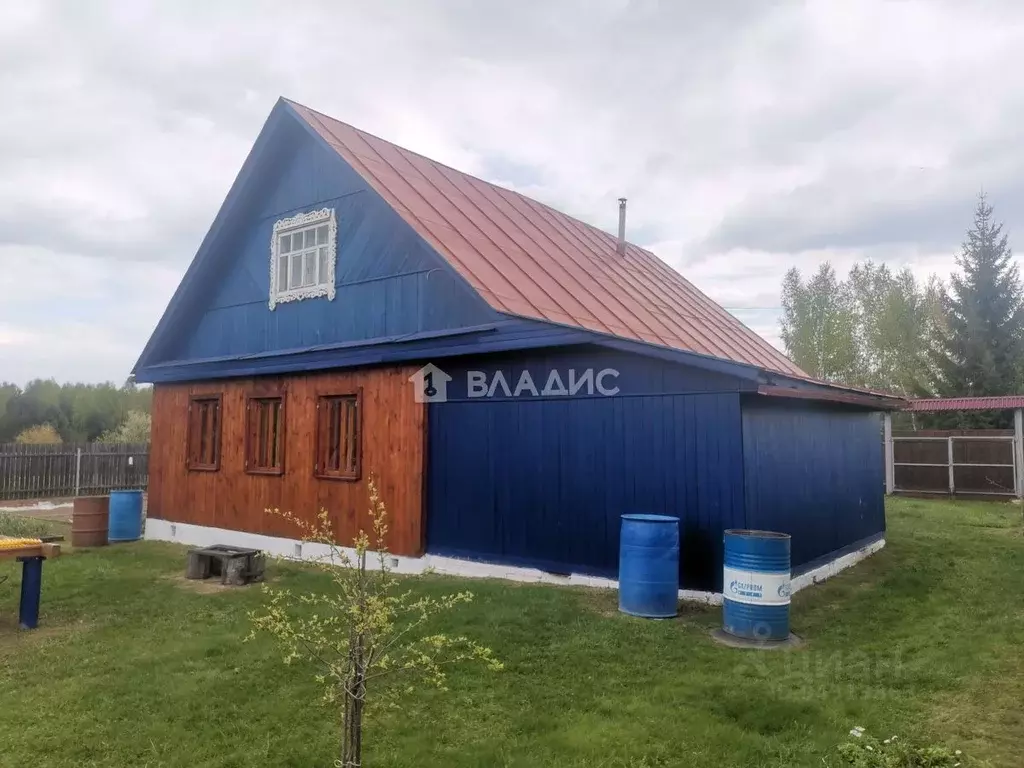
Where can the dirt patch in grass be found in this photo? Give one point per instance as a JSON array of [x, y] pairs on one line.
[[14, 639], [209, 586], [604, 602]]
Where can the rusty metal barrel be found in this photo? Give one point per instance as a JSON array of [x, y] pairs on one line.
[[89, 521]]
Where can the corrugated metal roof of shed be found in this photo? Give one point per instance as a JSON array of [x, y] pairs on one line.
[[527, 259]]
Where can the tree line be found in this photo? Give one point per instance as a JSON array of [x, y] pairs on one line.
[[884, 329], [48, 412]]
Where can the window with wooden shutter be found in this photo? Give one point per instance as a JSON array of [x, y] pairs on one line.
[[204, 425], [339, 436], [264, 435]]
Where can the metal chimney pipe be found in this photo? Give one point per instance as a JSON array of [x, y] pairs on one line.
[[621, 247]]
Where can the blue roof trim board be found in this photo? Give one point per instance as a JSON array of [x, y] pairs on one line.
[[408, 289], [508, 336]]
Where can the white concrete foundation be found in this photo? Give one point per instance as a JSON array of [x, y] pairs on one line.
[[295, 549], [831, 568]]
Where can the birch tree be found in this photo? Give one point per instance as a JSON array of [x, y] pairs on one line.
[[895, 318], [818, 325]]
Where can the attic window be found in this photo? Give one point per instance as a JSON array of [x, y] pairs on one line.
[[302, 255]]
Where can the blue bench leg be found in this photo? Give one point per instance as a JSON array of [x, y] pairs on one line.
[[31, 586]]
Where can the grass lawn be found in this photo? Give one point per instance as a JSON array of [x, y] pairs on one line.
[[133, 666]]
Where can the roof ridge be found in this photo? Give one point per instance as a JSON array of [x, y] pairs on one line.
[[467, 175]]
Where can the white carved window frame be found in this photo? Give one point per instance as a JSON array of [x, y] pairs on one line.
[[302, 222]]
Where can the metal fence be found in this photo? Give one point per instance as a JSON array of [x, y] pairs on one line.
[[52, 471], [981, 462]]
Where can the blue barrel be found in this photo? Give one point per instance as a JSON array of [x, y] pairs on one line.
[[755, 586], [649, 566], [125, 516]]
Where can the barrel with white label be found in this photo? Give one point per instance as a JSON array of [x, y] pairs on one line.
[[755, 586]]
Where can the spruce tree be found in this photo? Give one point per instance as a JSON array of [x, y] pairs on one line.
[[979, 352]]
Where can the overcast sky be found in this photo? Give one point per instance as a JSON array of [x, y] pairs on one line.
[[748, 136]]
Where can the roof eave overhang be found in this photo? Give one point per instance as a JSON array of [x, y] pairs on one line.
[[835, 395]]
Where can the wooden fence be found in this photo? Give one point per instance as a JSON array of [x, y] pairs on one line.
[[52, 471], [967, 462]]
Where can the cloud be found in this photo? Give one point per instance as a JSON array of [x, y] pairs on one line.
[[66, 314], [748, 136]]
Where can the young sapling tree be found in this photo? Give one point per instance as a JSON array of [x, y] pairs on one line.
[[368, 630]]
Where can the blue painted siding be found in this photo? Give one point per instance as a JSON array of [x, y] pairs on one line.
[[542, 482], [389, 281], [815, 473], [630, 374]]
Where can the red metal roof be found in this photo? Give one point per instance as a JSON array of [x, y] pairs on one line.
[[527, 259], [966, 403]]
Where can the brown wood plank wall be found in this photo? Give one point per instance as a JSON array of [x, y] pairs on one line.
[[392, 444]]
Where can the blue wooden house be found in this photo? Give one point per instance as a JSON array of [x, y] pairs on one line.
[[514, 378]]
